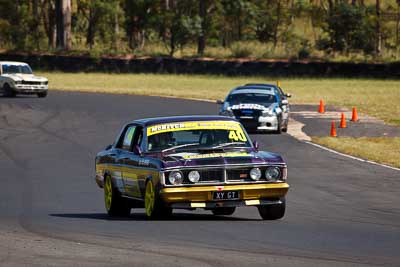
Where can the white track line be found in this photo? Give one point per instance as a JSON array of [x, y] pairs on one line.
[[298, 133], [351, 157]]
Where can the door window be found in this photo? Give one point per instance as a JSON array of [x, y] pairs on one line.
[[130, 133]]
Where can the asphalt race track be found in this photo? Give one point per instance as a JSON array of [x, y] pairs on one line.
[[340, 211]]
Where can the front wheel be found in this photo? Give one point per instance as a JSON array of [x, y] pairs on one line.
[[272, 212], [285, 129], [224, 211], [153, 204], [279, 128], [42, 94], [8, 91], [116, 206]]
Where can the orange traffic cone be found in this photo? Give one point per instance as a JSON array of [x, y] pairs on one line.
[[354, 116], [333, 129], [342, 121], [321, 107]]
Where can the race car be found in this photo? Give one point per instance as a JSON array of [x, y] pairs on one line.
[[17, 78], [259, 107], [190, 162]]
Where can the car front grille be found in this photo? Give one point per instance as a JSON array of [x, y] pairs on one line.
[[208, 176], [222, 175], [33, 83], [247, 113], [238, 175]]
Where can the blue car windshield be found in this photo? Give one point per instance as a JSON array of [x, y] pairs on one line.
[[10, 69], [253, 98]]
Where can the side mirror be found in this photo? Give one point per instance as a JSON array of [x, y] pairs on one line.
[[220, 102], [256, 145], [137, 150], [288, 95], [108, 147], [285, 102]]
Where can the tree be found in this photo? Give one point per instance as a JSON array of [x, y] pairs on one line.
[[398, 27], [348, 27], [378, 28], [16, 23], [49, 22], [63, 22], [272, 16], [201, 39], [139, 17], [179, 23]]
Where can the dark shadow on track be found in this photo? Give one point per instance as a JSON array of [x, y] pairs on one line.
[[19, 96], [142, 217]]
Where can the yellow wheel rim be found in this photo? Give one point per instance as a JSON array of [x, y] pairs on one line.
[[108, 192], [149, 199]]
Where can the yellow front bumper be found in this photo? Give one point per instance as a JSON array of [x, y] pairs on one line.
[[205, 193]]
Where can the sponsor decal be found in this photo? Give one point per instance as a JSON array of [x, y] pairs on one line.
[[193, 125], [237, 136], [144, 162], [248, 106], [216, 155]]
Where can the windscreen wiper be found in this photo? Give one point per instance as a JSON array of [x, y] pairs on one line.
[[228, 144], [179, 146]]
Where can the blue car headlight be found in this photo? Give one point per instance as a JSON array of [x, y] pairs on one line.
[[227, 112], [268, 113]]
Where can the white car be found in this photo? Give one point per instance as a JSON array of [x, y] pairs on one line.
[[17, 78]]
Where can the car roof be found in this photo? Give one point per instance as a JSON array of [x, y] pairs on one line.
[[260, 85], [172, 119], [250, 90], [13, 62]]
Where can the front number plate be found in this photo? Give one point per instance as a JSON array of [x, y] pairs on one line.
[[225, 195]]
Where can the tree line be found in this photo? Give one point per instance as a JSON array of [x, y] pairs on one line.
[[128, 26]]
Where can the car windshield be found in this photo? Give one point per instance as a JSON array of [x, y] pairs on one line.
[[189, 136], [10, 69], [253, 98]]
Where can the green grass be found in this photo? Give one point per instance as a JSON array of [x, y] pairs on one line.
[[379, 149], [378, 98]]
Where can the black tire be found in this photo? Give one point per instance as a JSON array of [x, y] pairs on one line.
[[272, 212], [223, 211], [279, 130], [8, 91], [116, 206], [42, 94], [285, 129], [155, 208]]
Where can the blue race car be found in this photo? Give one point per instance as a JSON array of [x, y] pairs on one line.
[[259, 107]]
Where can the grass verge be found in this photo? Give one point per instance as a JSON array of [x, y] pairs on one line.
[[379, 149]]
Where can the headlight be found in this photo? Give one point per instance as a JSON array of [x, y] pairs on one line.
[[268, 113], [272, 173], [227, 112], [194, 176], [255, 174], [175, 177], [284, 174], [17, 82]]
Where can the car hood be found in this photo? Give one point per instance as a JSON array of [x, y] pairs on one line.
[[25, 77], [273, 107], [188, 159]]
